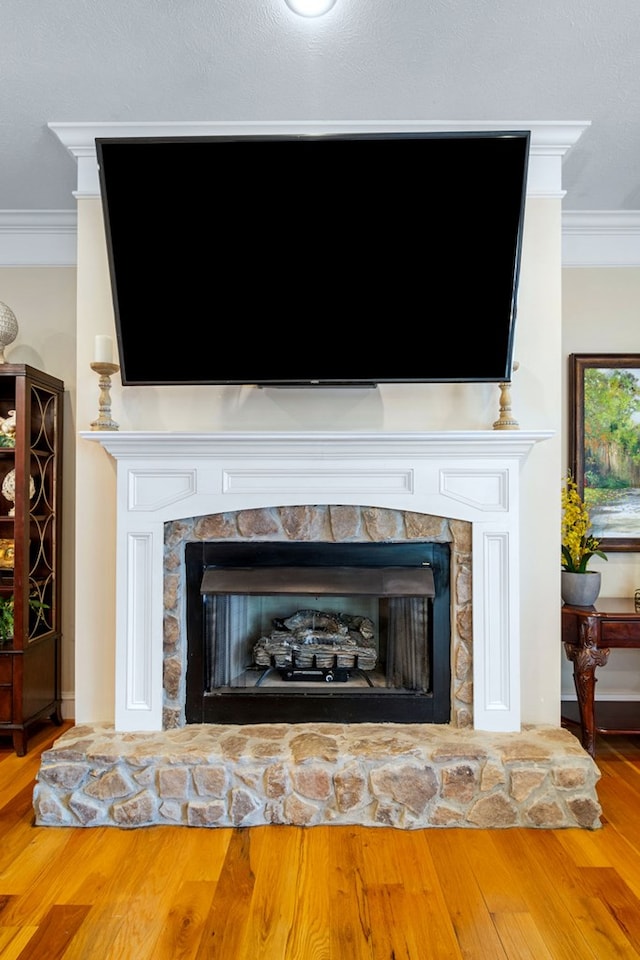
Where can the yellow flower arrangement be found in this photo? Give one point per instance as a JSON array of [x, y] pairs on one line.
[[578, 545]]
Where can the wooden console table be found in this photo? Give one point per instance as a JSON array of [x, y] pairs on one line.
[[588, 634]]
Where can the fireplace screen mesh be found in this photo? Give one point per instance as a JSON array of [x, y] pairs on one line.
[[318, 631]]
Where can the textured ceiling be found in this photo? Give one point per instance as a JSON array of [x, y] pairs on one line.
[[211, 60]]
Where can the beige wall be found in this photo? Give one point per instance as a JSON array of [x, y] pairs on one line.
[[44, 302], [536, 403], [601, 314]]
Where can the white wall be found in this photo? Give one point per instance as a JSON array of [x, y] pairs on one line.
[[601, 314]]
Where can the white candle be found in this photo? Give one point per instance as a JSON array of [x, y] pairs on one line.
[[103, 350]]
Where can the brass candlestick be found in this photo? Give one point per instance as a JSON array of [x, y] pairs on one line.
[[105, 371], [505, 421]]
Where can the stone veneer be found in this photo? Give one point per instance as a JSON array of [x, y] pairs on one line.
[[408, 776], [328, 524]]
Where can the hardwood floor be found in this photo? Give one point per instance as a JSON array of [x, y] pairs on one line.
[[320, 893]]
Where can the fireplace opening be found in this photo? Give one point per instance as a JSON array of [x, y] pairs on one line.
[[301, 632]]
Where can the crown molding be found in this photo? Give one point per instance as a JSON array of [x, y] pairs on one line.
[[590, 238], [47, 238], [601, 238], [38, 238], [550, 140]]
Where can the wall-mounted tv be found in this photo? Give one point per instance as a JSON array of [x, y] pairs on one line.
[[329, 260]]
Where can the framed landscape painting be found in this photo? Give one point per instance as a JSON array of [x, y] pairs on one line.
[[604, 444]]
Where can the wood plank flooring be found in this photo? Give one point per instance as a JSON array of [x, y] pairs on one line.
[[321, 893]]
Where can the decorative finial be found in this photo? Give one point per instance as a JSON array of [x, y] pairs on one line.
[[8, 329]]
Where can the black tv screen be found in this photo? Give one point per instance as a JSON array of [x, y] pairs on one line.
[[336, 259]]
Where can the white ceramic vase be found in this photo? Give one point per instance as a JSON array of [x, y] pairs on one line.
[[9, 490]]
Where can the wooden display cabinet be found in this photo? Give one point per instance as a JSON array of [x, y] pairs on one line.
[[30, 539]]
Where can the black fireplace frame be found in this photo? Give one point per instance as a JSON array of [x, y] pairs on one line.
[[295, 704]]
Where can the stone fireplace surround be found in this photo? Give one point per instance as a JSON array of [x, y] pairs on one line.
[[482, 769], [331, 527]]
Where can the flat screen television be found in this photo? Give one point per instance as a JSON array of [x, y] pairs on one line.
[[350, 259]]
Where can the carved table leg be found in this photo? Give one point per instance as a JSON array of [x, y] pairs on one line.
[[585, 659]]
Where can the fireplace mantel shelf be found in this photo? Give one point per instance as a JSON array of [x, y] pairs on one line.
[[472, 476], [465, 443]]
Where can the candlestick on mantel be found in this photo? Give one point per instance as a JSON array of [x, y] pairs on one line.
[[103, 351], [104, 371], [506, 420]]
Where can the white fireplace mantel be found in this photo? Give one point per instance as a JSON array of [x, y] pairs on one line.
[[463, 475]]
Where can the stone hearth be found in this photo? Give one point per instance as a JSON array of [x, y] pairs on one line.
[[392, 775]]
